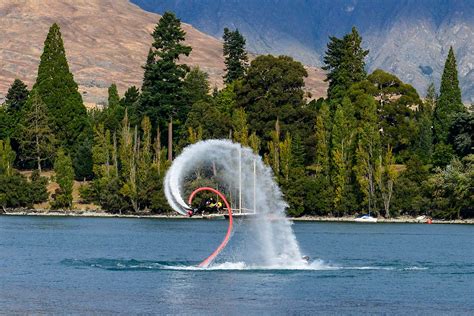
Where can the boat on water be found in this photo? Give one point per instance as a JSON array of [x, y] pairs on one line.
[[366, 218], [241, 215]]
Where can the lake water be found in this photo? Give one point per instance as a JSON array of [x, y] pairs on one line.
[[130, 266]]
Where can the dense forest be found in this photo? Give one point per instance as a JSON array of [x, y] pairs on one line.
[[372, 145]]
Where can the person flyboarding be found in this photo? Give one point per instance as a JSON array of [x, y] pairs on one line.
[[206, 205]]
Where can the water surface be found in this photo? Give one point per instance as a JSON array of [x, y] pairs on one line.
[[131, 266]]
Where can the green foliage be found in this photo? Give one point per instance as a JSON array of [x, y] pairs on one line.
[[7, 157], [334, 156], [449, 103], [163, 96], [452, 189], [271, 90], [65, 179], [461, 134], [12, 111], [235, 56], [196, 86], [36, 139], [240, 127], [58, 90], [344, 62], [16, 96], [442, 155], [17, 191], [206, 116], [128, 171]]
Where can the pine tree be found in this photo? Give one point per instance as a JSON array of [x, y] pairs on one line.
[[64, 176], [113, 114], [113, 98], [344, 62], [196, 86], [130, 97], [58, 90], [36, 138], [236, 59], [449, 101], [16, 96], [163, 97]]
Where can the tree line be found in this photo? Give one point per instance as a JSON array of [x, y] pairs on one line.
[[372, 145]]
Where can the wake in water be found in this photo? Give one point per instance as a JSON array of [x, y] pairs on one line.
[[230, 167], [148, 265]]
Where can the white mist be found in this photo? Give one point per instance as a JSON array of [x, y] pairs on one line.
[[275, 241]]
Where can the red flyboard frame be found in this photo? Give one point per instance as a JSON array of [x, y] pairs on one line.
[[226, 239]]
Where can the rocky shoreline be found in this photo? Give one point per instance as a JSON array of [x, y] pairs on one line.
[[88, 213]]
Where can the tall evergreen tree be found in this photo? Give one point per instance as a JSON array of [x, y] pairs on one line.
[[113, 98], [344, 62], [16, 96], [449, 102], [130, 97], [236, 59], [114, 112], [196, 85], [58, 90], [12, 112], [163, 96]]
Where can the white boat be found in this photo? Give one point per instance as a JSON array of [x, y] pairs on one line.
[[366, 218]]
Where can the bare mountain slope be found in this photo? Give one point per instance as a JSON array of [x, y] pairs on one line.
[[106, 41], [409, 38]]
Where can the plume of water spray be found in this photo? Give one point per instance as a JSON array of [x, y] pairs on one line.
[[275, 238]]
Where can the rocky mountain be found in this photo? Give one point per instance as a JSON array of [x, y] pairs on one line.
[[106, 42], [409, 38]]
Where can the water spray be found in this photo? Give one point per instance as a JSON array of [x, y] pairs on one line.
[[240, 173]]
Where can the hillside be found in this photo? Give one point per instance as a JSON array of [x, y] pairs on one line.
[[408, 38], [106, 41]]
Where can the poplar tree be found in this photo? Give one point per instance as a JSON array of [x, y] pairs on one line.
[[322, 139], [286, 156], [235, 56], [7, 157], [64, 176], [449, 102], [240, 127]]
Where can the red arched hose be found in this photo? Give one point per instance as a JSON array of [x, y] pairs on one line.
[[224, 242]]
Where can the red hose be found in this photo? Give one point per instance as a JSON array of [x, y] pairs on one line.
[[224, 242]]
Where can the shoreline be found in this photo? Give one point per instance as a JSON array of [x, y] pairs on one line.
[[345, 219]]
